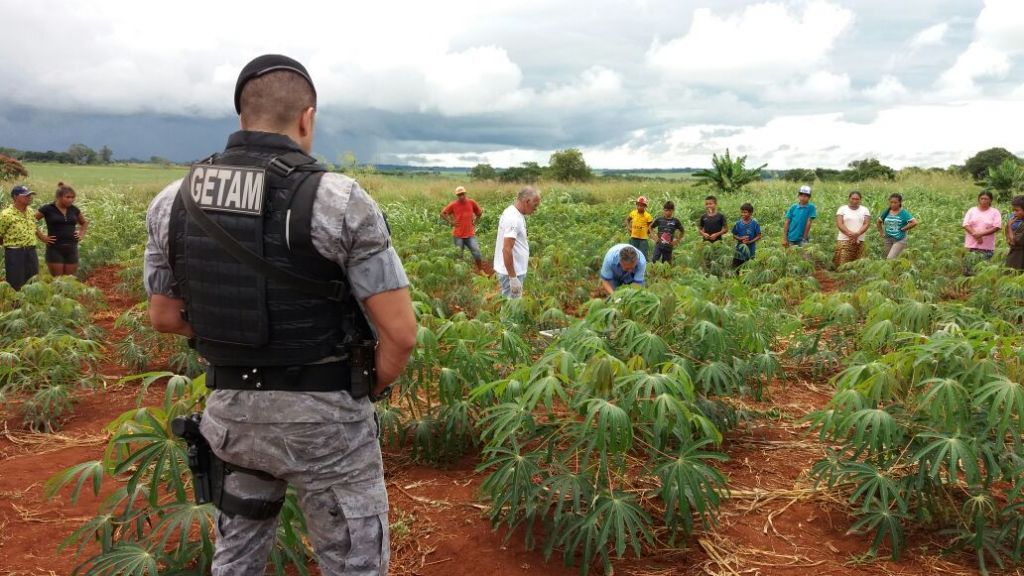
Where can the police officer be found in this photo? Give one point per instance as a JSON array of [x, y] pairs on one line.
[[272, 268]]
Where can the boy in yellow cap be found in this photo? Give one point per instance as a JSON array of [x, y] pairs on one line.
[[638, 223]]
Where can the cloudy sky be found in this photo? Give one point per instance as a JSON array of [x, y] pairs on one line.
[[634, 83]]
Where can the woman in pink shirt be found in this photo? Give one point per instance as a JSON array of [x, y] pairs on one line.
[[981, 223]]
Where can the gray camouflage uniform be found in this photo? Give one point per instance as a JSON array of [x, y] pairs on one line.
[[323, 443]]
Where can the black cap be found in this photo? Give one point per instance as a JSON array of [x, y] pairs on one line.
[[268, 63], [21, 191]]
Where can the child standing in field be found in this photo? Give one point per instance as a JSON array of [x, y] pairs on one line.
[[799, 217], [712, 223], [893, 225], [669, 231], [747, 232], [638, 224], [1015, 234]]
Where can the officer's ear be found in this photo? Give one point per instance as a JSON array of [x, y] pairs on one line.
[[306, 122]]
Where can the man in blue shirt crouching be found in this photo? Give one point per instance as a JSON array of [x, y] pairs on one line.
[[623, 264]]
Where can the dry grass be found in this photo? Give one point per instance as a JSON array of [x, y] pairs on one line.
[[409, 554], [36, 443]]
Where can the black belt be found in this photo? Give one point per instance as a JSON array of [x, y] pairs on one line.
[[330, 377]]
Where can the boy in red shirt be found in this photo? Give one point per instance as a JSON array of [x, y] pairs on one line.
[[462, 214]]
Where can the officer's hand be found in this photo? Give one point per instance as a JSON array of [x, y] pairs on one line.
[[515, 287]]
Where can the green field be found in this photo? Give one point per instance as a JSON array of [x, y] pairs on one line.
[[608, 440]]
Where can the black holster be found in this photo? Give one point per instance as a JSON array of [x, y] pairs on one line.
[[209, 473]]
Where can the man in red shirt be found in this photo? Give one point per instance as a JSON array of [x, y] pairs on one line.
[[462, 214]]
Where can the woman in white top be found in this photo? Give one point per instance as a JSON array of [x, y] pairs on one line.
[[853, 221]]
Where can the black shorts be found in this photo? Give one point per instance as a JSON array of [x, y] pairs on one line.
[[62, 253]]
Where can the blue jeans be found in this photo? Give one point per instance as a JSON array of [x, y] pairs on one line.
[[662, 252], [470, 243], [506, 289]]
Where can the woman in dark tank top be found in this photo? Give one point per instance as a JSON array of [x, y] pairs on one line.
[[65, 227]]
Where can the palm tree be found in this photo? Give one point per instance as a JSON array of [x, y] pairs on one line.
[[728, 175]]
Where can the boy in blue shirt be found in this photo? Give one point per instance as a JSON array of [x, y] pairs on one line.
[[799, 218], [623, 264], [747, 232]]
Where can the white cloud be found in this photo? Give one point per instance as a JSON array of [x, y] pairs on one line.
[[889, 89], [980, 60], [817, 87], [998, 38], [1001, 24], [597, 85], [758, 45], [131, 57], [930, 36], [908, 135]]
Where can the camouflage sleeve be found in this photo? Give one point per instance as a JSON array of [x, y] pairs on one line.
[[156, 275], [348, 229]]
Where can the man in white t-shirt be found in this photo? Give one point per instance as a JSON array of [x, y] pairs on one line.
[[853, 221], [512, 248]]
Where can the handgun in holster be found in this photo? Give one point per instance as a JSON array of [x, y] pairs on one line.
[[209, 473]]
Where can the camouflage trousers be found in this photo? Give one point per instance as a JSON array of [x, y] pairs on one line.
[[337, 470]]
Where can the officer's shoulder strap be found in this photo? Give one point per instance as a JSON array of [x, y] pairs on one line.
[[289, 162], [300, 212]]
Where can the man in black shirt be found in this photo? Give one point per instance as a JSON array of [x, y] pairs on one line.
[[65, 226], [669, 231], [712, 223]]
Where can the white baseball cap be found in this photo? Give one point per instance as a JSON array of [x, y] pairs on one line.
[[805, 190]]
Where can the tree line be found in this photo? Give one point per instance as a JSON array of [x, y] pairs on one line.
[[563, 166], [75, 154]]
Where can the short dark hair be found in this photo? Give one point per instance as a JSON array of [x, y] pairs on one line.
[[706, 198], [668, 205], [276, 99], [1017, 202], [747, 207], [628, 254], [857, 192], [986, 193]]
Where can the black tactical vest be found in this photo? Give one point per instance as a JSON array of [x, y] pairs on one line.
[[239, 316]]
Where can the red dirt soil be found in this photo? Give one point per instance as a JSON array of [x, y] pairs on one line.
[[438, 523]]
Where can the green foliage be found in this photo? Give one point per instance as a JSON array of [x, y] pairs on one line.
[[81, 154], [1006, 179], [928, 424], [48, 347], [526, 173], [869, 168], [728, 175], [149, 524], [605, 431], [569, 166], [483, 172], [978, 166]]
